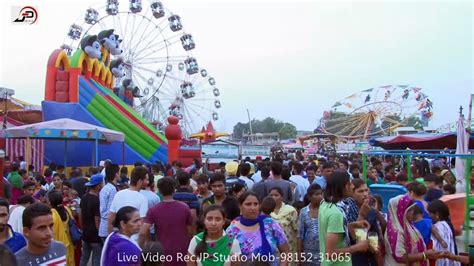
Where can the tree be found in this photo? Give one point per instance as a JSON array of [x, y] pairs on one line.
[[267, 125], [415, 121]]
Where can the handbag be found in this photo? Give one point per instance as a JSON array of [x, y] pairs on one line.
[[74, 231]]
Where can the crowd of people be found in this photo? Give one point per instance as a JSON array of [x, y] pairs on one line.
[[288, 210]]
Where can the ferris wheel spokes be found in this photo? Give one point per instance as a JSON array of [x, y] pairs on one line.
[[376, 111], [154, 47], [136, 30]]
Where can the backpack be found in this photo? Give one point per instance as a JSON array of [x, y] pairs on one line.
[[74, 231]]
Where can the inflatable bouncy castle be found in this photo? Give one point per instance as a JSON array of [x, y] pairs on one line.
[[81, 87]]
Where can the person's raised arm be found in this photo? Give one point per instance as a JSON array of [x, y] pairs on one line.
[[364, 210]]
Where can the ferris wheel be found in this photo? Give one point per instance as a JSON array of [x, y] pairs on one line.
[[195, 102], [377, 111], [154, 43]]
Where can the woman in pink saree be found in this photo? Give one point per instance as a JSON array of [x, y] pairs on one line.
[[404, 244]]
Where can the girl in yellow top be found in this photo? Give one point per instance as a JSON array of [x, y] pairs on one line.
[[61, 216], [286, 216]]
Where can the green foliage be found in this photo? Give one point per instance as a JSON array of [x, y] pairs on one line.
[[415, 122], [267, 125]]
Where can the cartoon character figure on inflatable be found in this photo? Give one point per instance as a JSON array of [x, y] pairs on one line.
[[110, 41], [110, 45], [129, 91], [91, 46]]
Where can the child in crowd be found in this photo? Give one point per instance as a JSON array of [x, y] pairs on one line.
[[443, 235], [268, 205], [434, 184], [75, 201], [402, 179], [213, 246], [378, 202], [416, 192], [237, 190], [422, 224], [379, 206], [40, 196], [308, 228], [202, 191]]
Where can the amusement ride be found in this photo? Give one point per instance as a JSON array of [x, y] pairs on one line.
[[155, 53], [377, 111]]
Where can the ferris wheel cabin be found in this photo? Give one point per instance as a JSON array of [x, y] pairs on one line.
[[112, 7], [92, 16], [187, 42], [135, 6], [75, 32], [175, 23], [157, 9], [191, 65]]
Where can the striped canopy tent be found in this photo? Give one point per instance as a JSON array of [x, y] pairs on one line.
[[15, 148], [63, 129]]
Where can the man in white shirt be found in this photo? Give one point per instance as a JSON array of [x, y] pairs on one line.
[[16, 212], [150, 196], [130, 197], [302, 184], [244, 172], [22, 162]]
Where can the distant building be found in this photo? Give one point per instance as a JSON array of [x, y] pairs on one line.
[[262, 138]]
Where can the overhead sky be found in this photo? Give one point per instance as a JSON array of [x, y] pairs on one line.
[[290, 60]]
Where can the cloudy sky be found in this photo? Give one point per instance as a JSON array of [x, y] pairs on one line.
[[287, 59]]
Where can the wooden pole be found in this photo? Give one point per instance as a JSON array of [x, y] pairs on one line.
[[27, 154], [65, 154], [96, 148], [250, 125]]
